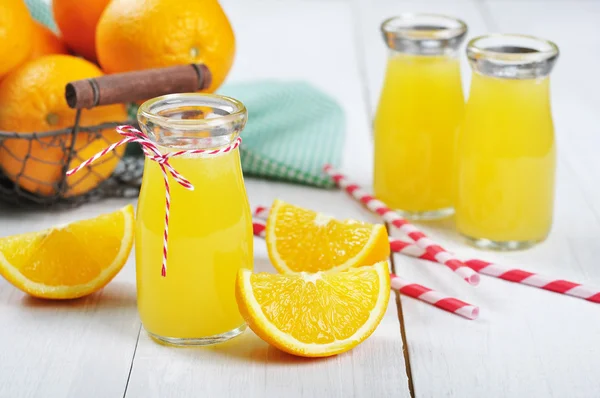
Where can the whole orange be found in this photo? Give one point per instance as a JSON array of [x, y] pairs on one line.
[[32, 99], [45, 42], [135, 35], [16, 32], [77, 20]]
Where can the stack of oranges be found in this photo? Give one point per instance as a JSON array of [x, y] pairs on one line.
[[96, 37]]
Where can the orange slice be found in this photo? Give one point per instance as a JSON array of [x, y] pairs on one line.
[[69, 261], [314, 315], [303, 240]]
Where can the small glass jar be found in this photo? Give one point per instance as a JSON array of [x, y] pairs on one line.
[[210, 227], [419, 112], [506, 151]]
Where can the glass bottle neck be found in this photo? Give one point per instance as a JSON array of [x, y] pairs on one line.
[[192, 121], [446, 54], [423, 34], [508, 56], [492, 68]]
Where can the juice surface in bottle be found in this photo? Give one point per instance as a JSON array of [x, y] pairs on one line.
[[209, 240], [420, 109], [506, 149]]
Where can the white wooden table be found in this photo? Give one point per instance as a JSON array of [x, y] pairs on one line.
[[526, 343]]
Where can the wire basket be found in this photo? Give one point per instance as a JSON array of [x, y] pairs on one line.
[[18, 149], [33, 165]]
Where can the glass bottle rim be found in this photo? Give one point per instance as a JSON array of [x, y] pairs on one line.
[[236, 112], [511, 48], [424, 26]]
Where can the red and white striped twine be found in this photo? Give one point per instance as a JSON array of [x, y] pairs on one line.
[[441, 255], [413, 290], [434, 298], [131, 134], [508, 274]]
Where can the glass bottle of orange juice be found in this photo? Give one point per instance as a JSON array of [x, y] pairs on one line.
[[210, 227], [506, 150], [420, 109]]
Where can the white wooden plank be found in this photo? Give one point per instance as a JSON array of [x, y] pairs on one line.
[[527, 342], [80, 348], [287, 40]]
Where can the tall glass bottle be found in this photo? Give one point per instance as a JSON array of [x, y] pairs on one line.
[[420, 109], [210, 228], [506, 150]]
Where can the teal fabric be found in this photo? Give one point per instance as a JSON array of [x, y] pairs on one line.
[[293, 128], [41, 11]]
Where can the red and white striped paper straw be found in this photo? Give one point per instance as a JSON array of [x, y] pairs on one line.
[[413, 290], [434, 298], [508, 274], [261, 212], [131, 134], [259, 228], [441, 255]]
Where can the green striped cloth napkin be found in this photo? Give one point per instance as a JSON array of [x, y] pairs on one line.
[[293, 128]]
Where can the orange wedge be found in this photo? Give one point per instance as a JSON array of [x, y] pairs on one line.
[[301, 240], [69, 261], [314, 315]]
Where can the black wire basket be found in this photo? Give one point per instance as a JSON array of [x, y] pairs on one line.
[[33, 165]]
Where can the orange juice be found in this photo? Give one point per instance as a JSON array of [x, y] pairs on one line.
[[416, 124], [210, 239], [210, 227], [507, 157], [420, 108], [506, 154]]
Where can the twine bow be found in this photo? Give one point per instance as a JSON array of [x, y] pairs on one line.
[[150, 149]]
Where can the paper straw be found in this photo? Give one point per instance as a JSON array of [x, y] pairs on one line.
[[441, 255], [434, 298], [409, 289], [508, 274], [261, 212], [259, 228], [490, 269]]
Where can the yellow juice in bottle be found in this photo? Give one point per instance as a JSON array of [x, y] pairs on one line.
[[506, 161], [506, 153], [416, 124], [210, 239]]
